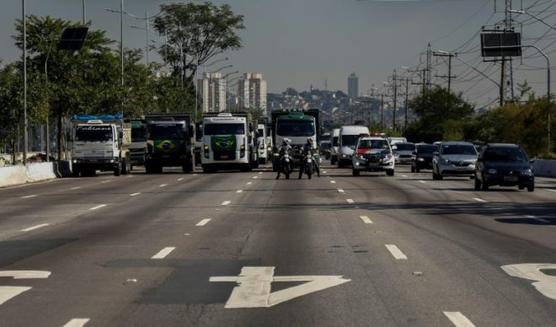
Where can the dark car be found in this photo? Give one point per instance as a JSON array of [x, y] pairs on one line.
[[422, 157], [503, 165]]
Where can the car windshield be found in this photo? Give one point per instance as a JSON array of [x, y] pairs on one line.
[[295, 128], [224, 129], [93, 133], [426, 149], [504, 154], [373, 144], [461, 149], [405, 147], [166, 131]]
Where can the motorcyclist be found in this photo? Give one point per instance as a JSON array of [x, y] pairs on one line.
[[284, 148], [308, 148]]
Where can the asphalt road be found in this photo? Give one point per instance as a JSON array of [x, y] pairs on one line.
[[244, 249]]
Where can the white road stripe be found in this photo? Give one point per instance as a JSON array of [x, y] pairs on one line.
[[77, 322], [239, 191], [163, 185], [404, 176], [458, 319], [530, 217], [260, 173], [480, 200], [551, 190], [104, 182], [203, 222], [341, 190], [180, 179], [135, 194], [75, 188], [255, 177], [350, 201], [163, 253], [29, 196], [324, 171], [422, 182], [249, 183], [34, 227], [225, 203], [366, 219], [396, 252], [333, 182], [98, 207]]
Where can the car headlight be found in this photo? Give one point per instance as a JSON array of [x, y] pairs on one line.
[[492, 171], [344, 155], [421, 159], [527, 172], [445, 161]]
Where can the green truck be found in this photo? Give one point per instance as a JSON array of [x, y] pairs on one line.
[[169, 142]]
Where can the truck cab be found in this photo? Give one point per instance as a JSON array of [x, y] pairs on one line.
[[138, 147], [227, 143]]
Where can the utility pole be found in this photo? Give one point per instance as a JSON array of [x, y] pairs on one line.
[[83, 11], [449, 76], [122, 44], [429, 66], [395, 80], [406, 104], [382, 111], [25, 123]]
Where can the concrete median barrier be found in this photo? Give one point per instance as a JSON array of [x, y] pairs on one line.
[[35, 172], [544, 168]]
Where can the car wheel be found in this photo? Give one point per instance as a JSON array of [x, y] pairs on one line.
[[390, 172], [477, 184], [412, 169], [531, 188], [484, 185], [355, 172]]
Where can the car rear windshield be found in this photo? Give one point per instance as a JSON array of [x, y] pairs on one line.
[[405, 147], [295, 128], [458, 149], [350, 140], [173, 132], [93, 133], [504, 154], [374, 144], [427, 149], [224, 129]]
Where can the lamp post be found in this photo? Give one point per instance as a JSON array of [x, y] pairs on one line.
[[25, 122]]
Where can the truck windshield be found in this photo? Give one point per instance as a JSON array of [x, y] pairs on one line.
[[173, 132], [349, 140], [224, 129], [93, 133], [138, 134], [295, 128]]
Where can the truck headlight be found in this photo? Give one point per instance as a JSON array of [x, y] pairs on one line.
[[492, 171], [206, 150]]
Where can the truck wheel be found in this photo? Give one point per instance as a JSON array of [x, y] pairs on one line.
[[118, 170], [390, 172], [75, 172], [126, 167], [188, 167], [355, 172]]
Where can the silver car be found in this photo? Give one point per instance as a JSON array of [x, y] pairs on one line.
[[454, 159], [403, 152]]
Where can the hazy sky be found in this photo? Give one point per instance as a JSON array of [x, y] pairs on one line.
[[296, 43]]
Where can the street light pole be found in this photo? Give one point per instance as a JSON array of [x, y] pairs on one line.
[[122, 43], [83, 11], [25, 123]]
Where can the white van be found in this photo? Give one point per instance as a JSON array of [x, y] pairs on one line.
[[334, 149], [348, 137]]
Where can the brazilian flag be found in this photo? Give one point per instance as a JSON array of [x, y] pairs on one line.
[[164, 146], [225, 143]]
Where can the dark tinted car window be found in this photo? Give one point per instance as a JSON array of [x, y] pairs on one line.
[[405, 146], [460, 149], [504, 154], [426, 149]]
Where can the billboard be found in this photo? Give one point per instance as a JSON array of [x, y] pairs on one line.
[[500, 44]]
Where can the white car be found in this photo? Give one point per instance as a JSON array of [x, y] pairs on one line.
[[349, 135], [373, 154]]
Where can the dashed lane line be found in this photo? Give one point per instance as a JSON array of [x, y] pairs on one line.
[[75, 188], [106, 181], [333, 182], [29, 196], [203, 222], [551, 190], [350, 201], [97, 207], [225, 203], [77, 322], [404, 176], [163, 185], [255, 177], [458, 319], [180, 179], [163, 253], [422, 182], [366, 219], [249, 183], [135, 194], [480, 200], [341, 191], [34, 227], [260, 173], [396, 252], [239, 191]]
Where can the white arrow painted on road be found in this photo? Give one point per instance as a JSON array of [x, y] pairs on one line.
[[254, 289], [9, 292], [545, 284]]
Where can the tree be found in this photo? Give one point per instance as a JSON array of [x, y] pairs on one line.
[[196, 33]]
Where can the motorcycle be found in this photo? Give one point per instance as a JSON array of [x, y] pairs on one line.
[[308, 165], [286, 164]]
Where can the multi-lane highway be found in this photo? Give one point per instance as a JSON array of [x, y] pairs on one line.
[[244, 249]]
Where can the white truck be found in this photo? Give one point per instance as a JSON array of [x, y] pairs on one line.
[[264, 149], [100, 143], [228, 143]]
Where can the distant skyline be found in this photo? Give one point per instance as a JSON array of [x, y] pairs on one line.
[[298, 43]]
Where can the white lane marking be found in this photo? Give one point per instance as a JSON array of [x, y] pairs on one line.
[[333, 182], [180, 179], [239, 191], [255, 177], [260, 173], [163, 185], [8, 292], [77, 322], [225, 203], [422, 182], [545, 284], [29, 196], [530, 217], [249, 183], [396, 252], [98, 207], [458, 319], [324, 172], [106, 181], [341, 190], [135, 194], [195, 174], [350, 201], [480, 200], [163, 253], [75, 188], [187, 234], [404, 176], [551, 190], [34, 227], [366, 219], [254, 287], [203, 222]]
